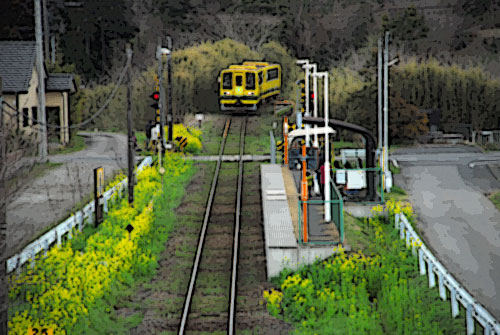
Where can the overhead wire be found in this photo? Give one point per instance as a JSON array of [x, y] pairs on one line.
[[84, 122]]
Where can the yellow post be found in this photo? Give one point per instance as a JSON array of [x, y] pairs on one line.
[[305, 195], [285, 134]]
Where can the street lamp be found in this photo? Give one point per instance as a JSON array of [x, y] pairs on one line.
[[385, 161]]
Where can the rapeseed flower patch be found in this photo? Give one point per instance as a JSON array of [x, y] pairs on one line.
[[374, 291], [64, 285]]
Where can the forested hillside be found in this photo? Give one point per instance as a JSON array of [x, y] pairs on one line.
[[92, 34], [448, 52]]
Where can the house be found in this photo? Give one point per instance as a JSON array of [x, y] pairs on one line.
[[20, 87]]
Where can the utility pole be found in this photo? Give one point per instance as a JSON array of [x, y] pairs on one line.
[[129, 126], [386, 108], [45, 28], [53, 49], [4, 290], [379, 100], [162, 96], [42, 123], [170, 89]]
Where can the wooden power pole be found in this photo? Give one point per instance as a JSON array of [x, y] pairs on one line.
[[130, 134], [42, 122]]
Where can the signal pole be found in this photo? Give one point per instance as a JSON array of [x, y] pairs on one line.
[[379, 107], [162, 97], [42, 145], [169, 89], [129, 126]]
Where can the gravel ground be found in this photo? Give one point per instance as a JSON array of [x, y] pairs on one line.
[[49, 199]]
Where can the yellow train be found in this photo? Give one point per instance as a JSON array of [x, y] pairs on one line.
[[245, 86]]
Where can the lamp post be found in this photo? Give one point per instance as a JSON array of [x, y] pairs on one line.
[[385, 164]]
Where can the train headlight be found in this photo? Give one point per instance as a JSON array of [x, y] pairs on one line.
[[251, 93]]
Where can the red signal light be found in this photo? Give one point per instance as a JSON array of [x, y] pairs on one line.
[[312, 95], [155, 96]]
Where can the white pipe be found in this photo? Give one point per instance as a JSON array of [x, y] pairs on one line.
[[306, 67], [327, 150], [315, 110]]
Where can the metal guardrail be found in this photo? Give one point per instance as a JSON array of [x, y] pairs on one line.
[[77, 220], [430, 265]]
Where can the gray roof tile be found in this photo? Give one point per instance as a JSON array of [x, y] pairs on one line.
[[60, 82], [17, 59]]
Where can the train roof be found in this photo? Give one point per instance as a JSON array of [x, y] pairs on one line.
[[250, 65]]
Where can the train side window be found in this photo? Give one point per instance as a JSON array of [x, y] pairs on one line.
[[227, 81], [250, 84], [239, 80], [261, 78], [272, 74]]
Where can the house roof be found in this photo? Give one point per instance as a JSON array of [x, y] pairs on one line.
[[17, 59], [61, 82]]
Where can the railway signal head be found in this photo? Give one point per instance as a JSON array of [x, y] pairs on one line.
[[156, 97], [303, 95], [311, 100]]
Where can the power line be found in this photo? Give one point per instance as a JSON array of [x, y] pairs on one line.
[[84, 122]]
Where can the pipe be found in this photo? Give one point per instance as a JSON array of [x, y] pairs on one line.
[[285, 139], [304, 192], [369, 147]]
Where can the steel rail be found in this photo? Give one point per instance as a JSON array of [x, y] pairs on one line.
[[234, 274], [194, 272]]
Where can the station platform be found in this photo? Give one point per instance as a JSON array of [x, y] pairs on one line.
[[281, 223]]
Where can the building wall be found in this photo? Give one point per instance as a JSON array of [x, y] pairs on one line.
[[29, 101], [57, 99]]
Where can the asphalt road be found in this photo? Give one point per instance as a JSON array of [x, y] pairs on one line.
[[49, 199], [456, 219]]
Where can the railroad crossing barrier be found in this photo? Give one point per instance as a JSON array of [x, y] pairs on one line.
[[66, 227], [430, 265]]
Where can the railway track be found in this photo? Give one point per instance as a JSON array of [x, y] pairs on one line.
[[210, 303]]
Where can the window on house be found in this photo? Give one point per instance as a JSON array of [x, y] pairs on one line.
[[25, 118], [34, 115]]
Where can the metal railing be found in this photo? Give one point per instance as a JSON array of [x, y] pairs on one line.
[[85, 215], [430, 265], [337, 215]]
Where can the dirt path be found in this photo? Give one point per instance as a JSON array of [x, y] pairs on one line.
[[49, 199]]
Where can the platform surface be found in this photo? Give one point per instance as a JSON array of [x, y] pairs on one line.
[[282, 248]]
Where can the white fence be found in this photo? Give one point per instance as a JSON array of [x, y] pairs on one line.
[[430, 265], [66, 227]]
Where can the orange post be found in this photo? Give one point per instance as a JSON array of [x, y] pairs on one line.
[[285, 134], [305, 195]]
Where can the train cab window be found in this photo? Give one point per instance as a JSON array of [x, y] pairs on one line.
[[261, 78], [239, 80], [227, 81], [250, 84], [272, 74]]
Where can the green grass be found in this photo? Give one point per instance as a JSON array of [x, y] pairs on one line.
[[76, 143], [495, 199], [376, 290], [103, 318]]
